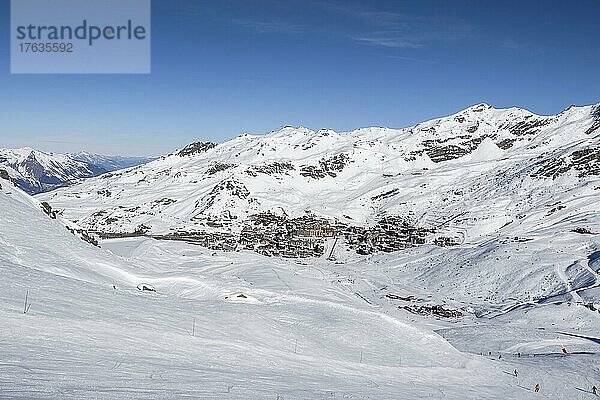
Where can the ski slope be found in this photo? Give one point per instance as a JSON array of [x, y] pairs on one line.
[[243, 326]]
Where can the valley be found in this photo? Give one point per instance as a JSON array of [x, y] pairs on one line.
[[428, 262]]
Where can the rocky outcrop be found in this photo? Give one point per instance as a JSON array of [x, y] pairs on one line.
[[46, 208], [274, 168], [196, 148], [530, 126], [438, 151], [327, 167], [585, 161], [4, 175], [233, 187], [218, 167], [596, 124]]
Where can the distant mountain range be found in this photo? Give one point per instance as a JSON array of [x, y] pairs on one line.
[[36, 171], [110, 163]]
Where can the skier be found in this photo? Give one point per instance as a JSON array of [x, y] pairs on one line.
[[537, 387], [516, 373], [594, 390]]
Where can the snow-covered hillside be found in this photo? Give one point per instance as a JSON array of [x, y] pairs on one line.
[[244, 326], [36, 171], [454, 180]]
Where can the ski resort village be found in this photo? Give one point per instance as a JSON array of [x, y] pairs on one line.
[[458, 258], [299, 200]]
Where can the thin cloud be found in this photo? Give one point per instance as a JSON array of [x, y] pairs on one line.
[[268, 26], [385, 40], [410, 59], [399, 30], [404, 31], [378, 28]]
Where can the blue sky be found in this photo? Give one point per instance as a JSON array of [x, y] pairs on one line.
[[223, 68]]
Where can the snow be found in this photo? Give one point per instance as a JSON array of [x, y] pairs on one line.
[[242, 326], [300, 332], [486, 151], [81, 338]]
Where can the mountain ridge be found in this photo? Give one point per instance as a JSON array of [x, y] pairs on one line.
[[37, 171], [355, 185]]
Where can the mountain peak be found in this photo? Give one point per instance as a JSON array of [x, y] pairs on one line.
[[291, 130], [480, 107], [196, 148]]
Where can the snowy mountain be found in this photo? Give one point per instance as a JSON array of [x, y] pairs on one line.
[[36, 171], [460, 179]]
